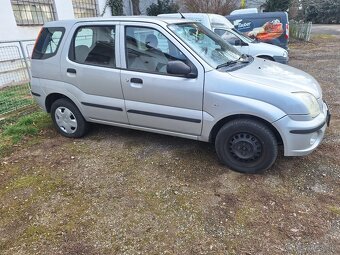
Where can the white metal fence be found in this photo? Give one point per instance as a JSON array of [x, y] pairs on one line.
[[300, 30], [14, 75]]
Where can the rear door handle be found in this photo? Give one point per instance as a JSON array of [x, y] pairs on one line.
[[71, 70]]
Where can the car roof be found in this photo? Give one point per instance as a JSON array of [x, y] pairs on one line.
[[258, 15], [148, 19]]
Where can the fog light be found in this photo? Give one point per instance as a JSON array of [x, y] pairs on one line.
[[313, 138]]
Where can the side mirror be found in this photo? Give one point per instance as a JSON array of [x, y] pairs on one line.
[[180, 68], [239, 42]]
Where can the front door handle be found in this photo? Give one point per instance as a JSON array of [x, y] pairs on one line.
[[136, 80], [71, 70], [136, 83]]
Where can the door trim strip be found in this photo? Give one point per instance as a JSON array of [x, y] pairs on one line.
[[166, 116], [103, 106]]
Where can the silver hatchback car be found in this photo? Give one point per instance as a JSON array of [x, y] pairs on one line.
[[178, 78]]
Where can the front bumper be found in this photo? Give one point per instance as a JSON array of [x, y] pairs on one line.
[[281, 59], [302, 137]]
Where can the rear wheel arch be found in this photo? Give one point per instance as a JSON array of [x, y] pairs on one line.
[[51, 98], [68, 119]]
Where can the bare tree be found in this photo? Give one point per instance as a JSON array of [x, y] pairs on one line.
[[222, 7], [135, 7]]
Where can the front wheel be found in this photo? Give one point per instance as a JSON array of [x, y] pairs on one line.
[[246, 146], [67, 119]]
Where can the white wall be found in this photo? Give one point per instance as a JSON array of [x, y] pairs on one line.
[[9, 30], [64, 9], [8, 26]]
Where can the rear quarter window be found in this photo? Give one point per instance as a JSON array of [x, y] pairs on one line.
[[48, 42]]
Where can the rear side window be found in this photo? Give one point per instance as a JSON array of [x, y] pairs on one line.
[[94, 45], [48, 42]]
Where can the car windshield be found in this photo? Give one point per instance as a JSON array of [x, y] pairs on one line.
[[208, 45]]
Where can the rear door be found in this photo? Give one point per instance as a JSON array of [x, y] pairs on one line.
[[154, 98], [89, 65]]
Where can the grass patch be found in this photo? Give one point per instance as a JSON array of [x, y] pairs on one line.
[[14, 97], [323, 36], [15, 129], [334, 209]]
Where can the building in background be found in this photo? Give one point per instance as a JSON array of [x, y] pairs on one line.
[[22, 19]]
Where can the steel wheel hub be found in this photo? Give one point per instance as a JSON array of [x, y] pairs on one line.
[[245, 147]]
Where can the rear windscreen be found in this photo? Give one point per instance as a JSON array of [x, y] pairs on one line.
[[48, 42]]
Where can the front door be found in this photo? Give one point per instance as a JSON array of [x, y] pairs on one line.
[[154, 98]]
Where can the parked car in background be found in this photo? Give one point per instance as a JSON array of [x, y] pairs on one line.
[[268, 27], [175, 77], [221, 26]]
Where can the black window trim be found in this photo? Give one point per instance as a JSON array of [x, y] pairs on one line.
[[71, 54], [150, 72], [49, 55]]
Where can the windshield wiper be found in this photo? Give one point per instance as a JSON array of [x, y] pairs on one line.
[[242, 59], [229, 63]]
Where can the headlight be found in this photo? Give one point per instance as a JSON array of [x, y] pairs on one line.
[[310, 102], [285, 54]]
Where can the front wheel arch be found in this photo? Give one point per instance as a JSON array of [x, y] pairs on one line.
[[223, 121], [246, 146]]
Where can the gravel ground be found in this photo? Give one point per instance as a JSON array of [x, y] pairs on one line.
[[120, 191]]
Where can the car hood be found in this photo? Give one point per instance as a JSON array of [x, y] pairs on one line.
[[261, 48], [269, 73]]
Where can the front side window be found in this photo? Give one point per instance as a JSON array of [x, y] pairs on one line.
[[149, 50], [84, 8], [48, 42], [208, 45], [33, 12], [94, 45]]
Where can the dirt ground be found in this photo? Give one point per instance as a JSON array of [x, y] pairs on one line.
[[120, 191]]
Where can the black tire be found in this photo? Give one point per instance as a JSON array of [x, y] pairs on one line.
[[67, 118], [246, 146]]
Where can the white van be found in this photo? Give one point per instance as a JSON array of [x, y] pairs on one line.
[[244, 11], [224, 28]]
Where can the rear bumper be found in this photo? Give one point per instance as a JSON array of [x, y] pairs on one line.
[[37, 93], [302, 137]]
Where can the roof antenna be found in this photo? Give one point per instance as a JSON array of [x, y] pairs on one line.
[[182, 16]]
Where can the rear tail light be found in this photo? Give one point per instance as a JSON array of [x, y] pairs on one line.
[[36, 40], [287, 31]]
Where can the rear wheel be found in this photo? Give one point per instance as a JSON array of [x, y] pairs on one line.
[[67, 119], [246, 146]]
